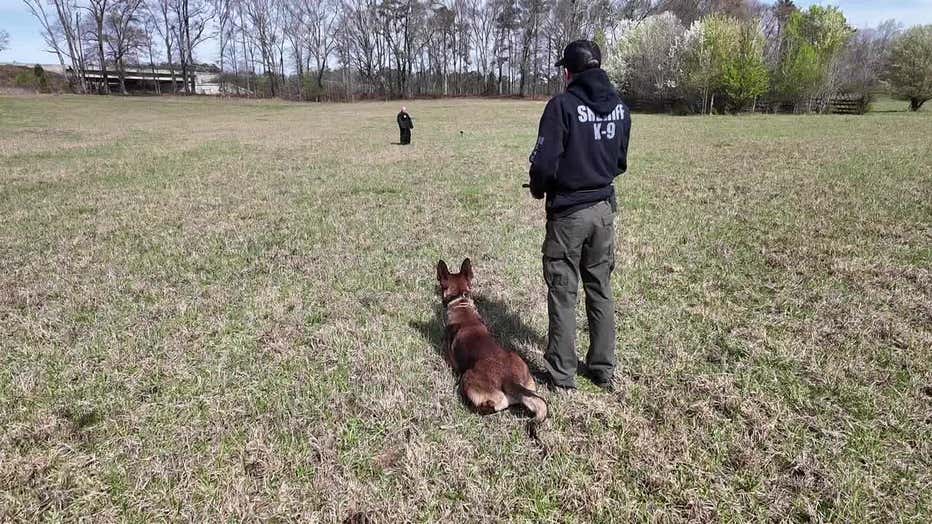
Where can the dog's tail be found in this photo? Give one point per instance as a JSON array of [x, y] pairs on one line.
[[537, 405]]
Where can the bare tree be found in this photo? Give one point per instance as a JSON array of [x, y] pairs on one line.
[[343, 51], [264, 21], [320, 19], [98, 12], [399, 22], [362, 44], [861, 65], [249, 59], [123, 34], [481, 20], [532, 17], [60, 31], [161, 12], [4, 40], [441, 45], [149, 25], [507, 24], [223, 10], [192, 18], [637, 10], [294, 34]]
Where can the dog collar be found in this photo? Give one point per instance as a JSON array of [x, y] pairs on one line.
[[448, 302]]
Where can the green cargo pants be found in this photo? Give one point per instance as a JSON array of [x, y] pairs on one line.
[[581, 244]]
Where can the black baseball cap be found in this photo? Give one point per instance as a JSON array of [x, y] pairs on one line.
[[580, 55]]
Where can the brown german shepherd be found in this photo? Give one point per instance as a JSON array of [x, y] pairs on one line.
[[492, 378]]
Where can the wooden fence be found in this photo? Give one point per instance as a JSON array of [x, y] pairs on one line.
[[839, 105]]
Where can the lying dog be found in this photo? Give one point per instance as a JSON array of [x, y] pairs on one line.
[[492, 378]]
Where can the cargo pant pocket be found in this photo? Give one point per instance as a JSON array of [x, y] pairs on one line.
[[555, 264], [606, 236]]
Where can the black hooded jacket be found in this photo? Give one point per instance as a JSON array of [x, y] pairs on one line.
[[404, 121], [582, 145]]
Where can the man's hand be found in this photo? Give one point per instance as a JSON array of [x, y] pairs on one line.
[[538, 196]]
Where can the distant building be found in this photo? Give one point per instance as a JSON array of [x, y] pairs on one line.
[[138, 80], [209, 84], [146, 80]]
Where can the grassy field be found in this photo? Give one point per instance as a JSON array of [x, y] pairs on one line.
[[886, 104], [226, 311]]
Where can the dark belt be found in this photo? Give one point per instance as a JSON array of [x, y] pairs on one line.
[[610, 199]]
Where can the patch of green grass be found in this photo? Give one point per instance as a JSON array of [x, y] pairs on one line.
[[888, 104], [226, 309]]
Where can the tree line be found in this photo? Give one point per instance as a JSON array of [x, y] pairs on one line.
[[695, 55], [732, 60]]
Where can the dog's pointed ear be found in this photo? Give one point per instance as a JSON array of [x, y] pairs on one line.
[[466, 269], [442, 272]]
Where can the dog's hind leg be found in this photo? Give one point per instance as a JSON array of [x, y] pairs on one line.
[[487, 403], [483, 398]]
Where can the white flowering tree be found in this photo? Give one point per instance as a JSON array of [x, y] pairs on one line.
[[910, 73], [646, 59]]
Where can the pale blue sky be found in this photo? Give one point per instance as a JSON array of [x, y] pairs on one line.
[[868, 13], [26, 45]]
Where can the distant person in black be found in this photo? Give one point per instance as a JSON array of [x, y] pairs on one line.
[[406, 125]]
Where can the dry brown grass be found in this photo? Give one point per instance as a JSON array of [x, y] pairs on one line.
[[225, 311]]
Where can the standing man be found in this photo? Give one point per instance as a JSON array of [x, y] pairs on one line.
[[581, 147], [406, 125]]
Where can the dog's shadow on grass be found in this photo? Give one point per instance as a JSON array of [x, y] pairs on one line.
[[506, 326]]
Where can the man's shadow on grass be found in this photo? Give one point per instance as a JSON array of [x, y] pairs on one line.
[[506, 327]]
